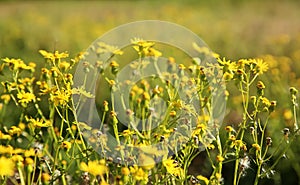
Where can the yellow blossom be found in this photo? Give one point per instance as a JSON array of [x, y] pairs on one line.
[[229, 129], [4, 136], [64, 65], [25, 97], [39, 122], [7, 166], [66, 144], [5, 98], [138, 173], [14, 130], [60, 97], [152, 52], [125, 171], [17, 158], [94, 168], [53, 56], [256, 146], [6, 149], [172, 167], [220, 158], [29, 153], [265, 101], [260, 67], [45, 178]]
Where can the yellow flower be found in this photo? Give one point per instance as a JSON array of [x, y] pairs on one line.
[[5, 98], [229, 129], [140, 44], [287, 114], [6, 149], [172, 113], [17, 158], [4, 137], [200, 129], [125, 171], [260, 85], [94, 167], [46, 178], [53, 56], [238, 144], [39, 122], [29, 153], [152, 52], [66, 144], [256, 146], [14, 130], [29, 161], [25, 97], [265, 101], [16, 64], [60, 97], [260, 67], [227, 65], [172, 167], [64, 65], [138, 173], [220, 158], [26, 81], [7, 166]]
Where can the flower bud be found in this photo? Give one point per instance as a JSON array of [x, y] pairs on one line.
[[268, 141]]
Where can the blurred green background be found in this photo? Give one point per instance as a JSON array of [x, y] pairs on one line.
[[234, 29]]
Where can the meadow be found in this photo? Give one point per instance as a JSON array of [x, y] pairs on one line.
[[256, 46]]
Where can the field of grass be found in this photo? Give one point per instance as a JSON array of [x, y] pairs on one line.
[[234, 29]]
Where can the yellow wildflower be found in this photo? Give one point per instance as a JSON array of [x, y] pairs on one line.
[[39, 122], [26, 81], [260, 67], [138, 173], [5, 98], [14, 130], [265, 101], [94, 168], [287, 114], [25, 97], [53, 56], [152, 52], [4, 136], [220, 158], [29, 153], [60, 97], [172, 167], [16, 64], [64, 66], [125, 171], [46, 178], [7, 166], [6, 149], [256, 146], [172, 113], [17, 158], [229, 129], [140, 44], [66, 144]]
